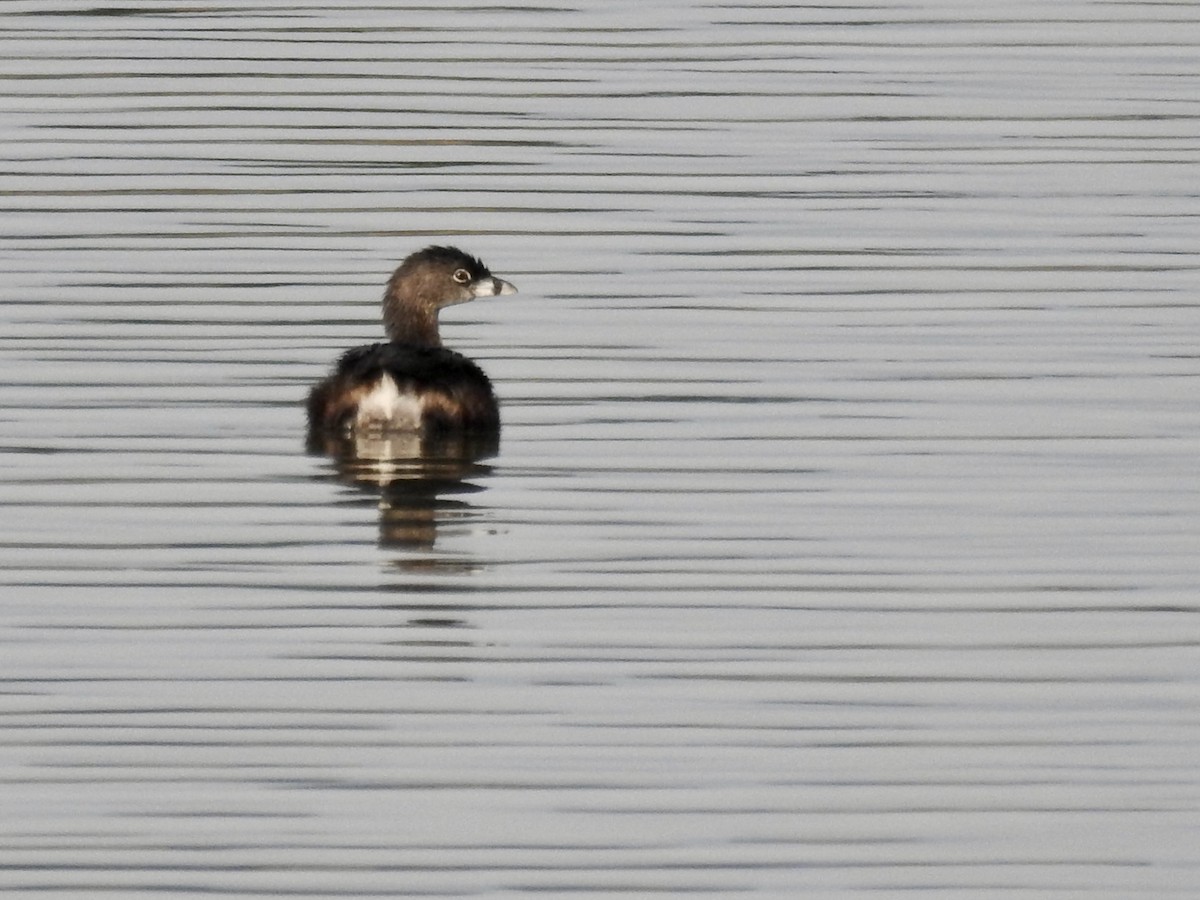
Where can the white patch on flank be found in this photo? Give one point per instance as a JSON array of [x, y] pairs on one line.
[[385, 408]]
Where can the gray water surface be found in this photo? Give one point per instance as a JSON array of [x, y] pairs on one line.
[[843, 536]]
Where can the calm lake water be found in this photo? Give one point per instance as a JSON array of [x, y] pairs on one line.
[[844, 536]]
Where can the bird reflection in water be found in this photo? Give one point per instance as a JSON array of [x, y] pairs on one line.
[[420, 484]]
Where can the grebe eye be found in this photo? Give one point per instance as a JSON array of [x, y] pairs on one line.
[[462, 276]]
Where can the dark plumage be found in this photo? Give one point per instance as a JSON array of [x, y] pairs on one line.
[[453, 392], [411, 383]]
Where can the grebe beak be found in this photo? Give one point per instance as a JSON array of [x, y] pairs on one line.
[[491, 287]]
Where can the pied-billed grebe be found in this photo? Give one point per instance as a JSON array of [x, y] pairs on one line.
[[412, 383]]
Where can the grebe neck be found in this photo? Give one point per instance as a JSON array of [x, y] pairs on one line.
[[415, 326], [408, 318]]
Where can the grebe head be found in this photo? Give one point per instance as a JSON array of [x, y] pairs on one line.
[[428, 280]]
